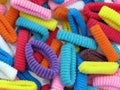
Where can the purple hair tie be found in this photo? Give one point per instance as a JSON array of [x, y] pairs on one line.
[[43, 48]]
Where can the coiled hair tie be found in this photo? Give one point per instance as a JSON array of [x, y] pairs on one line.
[[91, 9], [74, 14], [58, 1], [18, 85], [76, 39], [61, 13], [26, 76], [6, 58], [81, 79], [92, 55], [20, 59], [49, 24], [12, 15], [40, 32], [68, 64], [48, 53], [104, 43], [7, 72], [6, 30], [32, 8], [66, 26], [39, 2], [2, 9], [110, 32], [3, 1]]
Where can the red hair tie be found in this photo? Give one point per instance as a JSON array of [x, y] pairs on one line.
[[40, 2]]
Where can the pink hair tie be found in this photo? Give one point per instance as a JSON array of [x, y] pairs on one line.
[[117, 1], [54, 5], [2, 9], [32, 8]]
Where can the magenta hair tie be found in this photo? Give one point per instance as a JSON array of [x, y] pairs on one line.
[[2, 9], [32, 8], [43, 48]]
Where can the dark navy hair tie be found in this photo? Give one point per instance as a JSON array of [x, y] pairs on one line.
[[48, 53]]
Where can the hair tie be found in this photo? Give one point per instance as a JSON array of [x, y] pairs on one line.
[[20, 59], [68, 64], [66, 26], [2, 9], [54, 5], [98, 0], [3, 1], [81, 79], [32, 8], [18, 85], [92, 55], [111, 33], [58, 1], [7, 72], [76, 39], [39, 2], [92, 88], [26, 76], [110, 16], [6, 58], [107, 82], [48, 53], [98, 67], [7, 31], [12, 15], [46, 87], [74, 14], [41, 32], [41, 80], [104, 43], [49, 24], [90, 9], [116, 1]]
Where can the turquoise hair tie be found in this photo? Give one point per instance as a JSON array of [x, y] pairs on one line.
[[76, 39], [75, 18], [98, 0], [92, 88], [34, 27], [6, 58], [81, 79], [68, 64], [117, 50]]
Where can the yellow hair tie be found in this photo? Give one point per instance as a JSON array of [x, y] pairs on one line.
[[66, 26], [3, 1], [110, 16], [49, 24], [18, 85], [98, 67]]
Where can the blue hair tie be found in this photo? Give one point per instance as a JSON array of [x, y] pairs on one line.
[[5, 57], [58, 1], [117, 50], [34, 27], [26, 76], [88, 1], [81, 79], [76, 39], [68, 64], [98, 0], [46, 5], [92, 88], [74, 14]]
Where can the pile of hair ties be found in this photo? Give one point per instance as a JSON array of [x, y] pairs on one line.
[[59, 44]]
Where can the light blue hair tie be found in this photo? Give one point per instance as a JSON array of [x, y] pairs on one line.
[[76, 39], [98, 0], [68, 64], [92, 88], [26, 76], [81, 79], [75, 18], [58, 1], [34, 27], [6, 58]]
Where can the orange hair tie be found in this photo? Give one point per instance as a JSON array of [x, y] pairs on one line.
[[55, 45], [6, 30], [61, 13], [104, 43], [12, 16]]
